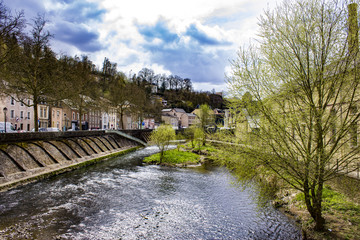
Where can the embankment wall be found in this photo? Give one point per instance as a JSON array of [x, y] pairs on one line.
[[26, 157]]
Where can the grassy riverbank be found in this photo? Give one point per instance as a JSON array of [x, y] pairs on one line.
[[342, 214]]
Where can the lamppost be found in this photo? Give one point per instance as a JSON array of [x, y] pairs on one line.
[[5, 111]]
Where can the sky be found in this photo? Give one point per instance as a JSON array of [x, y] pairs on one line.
[[193, 39]]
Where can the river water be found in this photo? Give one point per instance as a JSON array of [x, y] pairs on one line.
[[122, 199]]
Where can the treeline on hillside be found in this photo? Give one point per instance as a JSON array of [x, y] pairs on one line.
[[178, 92]]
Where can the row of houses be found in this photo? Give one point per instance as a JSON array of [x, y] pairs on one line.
[[178, 118], [62, 116]]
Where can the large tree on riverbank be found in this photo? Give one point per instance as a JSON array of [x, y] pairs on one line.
[[303, 77]]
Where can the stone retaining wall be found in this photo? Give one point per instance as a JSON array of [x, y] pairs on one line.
[[25, 156]]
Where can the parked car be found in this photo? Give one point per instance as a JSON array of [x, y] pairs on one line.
[[40, 130], [52, 129], [9, 127]]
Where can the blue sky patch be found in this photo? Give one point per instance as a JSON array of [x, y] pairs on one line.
[[159, 30]]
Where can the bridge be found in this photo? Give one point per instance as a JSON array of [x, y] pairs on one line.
[[28, 157]]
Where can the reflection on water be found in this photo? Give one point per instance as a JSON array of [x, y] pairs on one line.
[[121, 199]]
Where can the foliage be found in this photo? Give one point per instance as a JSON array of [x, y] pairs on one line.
[[174, 157], [162, 137], [199, 135], [179, 138], [208, 149], [299, 75]]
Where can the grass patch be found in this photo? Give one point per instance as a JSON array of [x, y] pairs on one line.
[[174, 157], [342, 215], [199, 147]]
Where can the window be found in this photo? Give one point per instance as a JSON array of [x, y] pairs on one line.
[[22, 126], [12, 101], [28, 115], [12, 114], [58, 113], [21, 115], [21, 104], [45, 113], [53, 113], [41, 113], [28, 102]]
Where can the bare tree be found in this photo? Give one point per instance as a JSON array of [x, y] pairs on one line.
[[32, 70], [108, 74], [83, 89]]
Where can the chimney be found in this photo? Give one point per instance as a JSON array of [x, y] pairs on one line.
[[353, 37]]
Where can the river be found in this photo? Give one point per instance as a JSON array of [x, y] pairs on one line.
[[122, 199]]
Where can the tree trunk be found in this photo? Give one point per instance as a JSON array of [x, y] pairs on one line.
[[36, 123], [204, 138], [317, 189], [317, 206], [121, 119], [161, 155], [313, 203], [80, 119]]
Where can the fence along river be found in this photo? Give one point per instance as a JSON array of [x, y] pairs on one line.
[[122, 199]]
